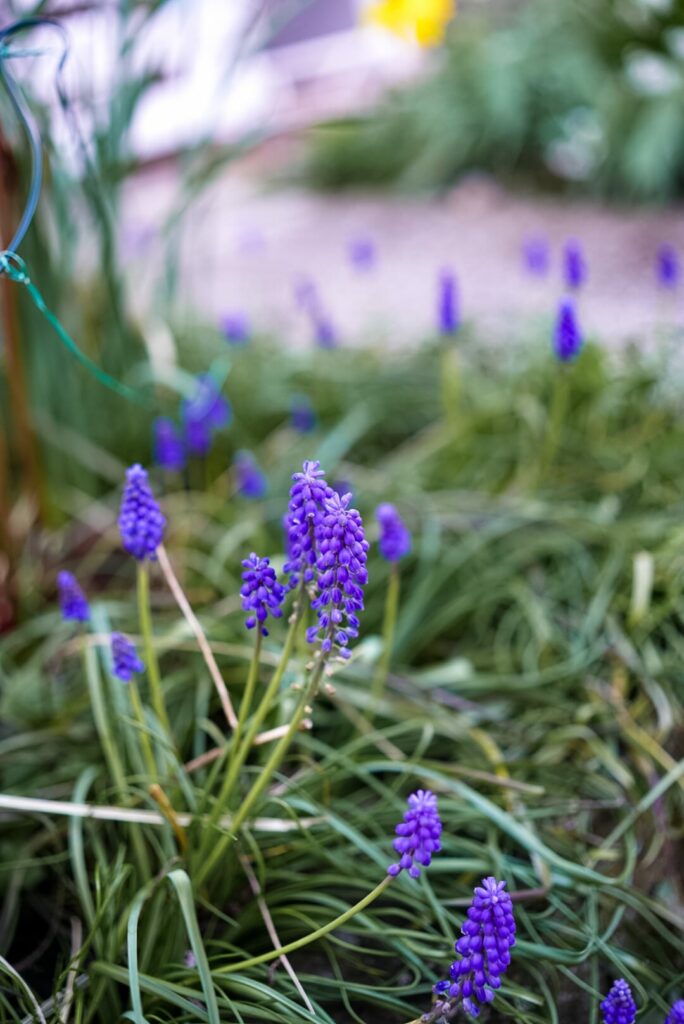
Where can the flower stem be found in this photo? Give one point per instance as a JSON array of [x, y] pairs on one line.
[[240, 756], [554, 423], [266, 773], [388, 628], [138, 710], [312, 936], [246, 702], [151, 662]]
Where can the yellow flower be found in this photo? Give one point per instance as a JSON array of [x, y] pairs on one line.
[[424, 21]]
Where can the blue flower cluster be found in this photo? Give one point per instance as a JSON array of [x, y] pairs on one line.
[[418, 834], [141, 522], [308, 494], [341, 575], [125, 660], [667, 266], [619, 1007], [448, 318], [574, 265], [251, 482], [261, 593], [168, 445], [395, 539], [72, 600], [567, 338], [205, 412], [488, 934], [676, 1014]]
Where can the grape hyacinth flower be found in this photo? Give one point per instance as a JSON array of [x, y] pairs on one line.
[[342, 574], [418, 834], [667, 267], [141, 523], [125, 660], [676, 1014], [72, 600], [395, 539], [203, 414], [235, 328], [448, 317], [574, 265], [261, 593], [487, 936], [325, 334], [169, 450], [251, 482], [536, 256], [619, 1007], [308, 494], [303, 415], [362, 253], [567, 337]]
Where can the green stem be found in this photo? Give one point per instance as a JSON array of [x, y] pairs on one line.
[[312, 936], [247, 696], [556, 418], [266, 773], [99, 707], [110, 749], [240, 756], [139, 712], [388, 628], [151, 663]]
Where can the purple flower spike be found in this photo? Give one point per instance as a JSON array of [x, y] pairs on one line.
[[619, 1007], [676, 1014], [447, 307], [126, 662], [261, 593], [362, 253], [574, 265], [395, 538], [72, 600], [342, 574], [141, 522], [251, 482], [303, 415], [536, 256], [169, 450], [487, 936], [567, 337], [308, 494], [235, 328], [667, 267], [204, 413], [418, 834]]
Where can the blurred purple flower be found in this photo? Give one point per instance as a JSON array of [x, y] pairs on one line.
[[676, 1014], [567, 337], [536, 257], [125, 660], [169, 450], [303, 415], [667, 266], [395, 539], [325, 334], [72, 600], [204, 413], [306, 294], [235, 328], [448, 317], [362, 253], [251, 481], [574, 265]]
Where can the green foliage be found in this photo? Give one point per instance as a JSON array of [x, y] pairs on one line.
[[563, 93], [527, 689]]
